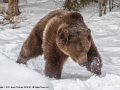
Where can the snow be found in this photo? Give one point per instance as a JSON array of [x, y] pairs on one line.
[[15, 75], [106, 34], [108, 82]]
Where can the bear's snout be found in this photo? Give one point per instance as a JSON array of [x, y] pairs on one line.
[[82, 59]]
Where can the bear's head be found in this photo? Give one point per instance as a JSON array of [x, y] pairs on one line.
[[74, 41]]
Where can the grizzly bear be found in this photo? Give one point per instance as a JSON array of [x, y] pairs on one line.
[[59, 35]]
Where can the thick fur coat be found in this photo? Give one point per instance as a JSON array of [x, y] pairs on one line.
[[59, 35]]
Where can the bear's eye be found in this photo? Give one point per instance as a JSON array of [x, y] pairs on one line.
[[62, 36], [80, 43], [69, 37]]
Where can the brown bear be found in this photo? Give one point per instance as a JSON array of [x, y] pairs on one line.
[[59, 35]]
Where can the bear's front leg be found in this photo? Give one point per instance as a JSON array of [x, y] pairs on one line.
[[54, 64], [53, 69], [94, 63]]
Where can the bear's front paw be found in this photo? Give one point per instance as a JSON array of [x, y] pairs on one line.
[[94, 66]]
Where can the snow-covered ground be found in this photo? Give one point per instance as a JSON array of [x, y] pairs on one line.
[[106, 34]]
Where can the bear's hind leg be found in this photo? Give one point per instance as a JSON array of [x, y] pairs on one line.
[[30, 49]]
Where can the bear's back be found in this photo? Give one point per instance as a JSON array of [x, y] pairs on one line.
[[40, 26], [61, 16]]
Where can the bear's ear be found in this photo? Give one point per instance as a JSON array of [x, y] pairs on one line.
[[89, 34]]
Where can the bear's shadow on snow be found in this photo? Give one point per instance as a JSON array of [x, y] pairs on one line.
[[74, 76], [67, 75]]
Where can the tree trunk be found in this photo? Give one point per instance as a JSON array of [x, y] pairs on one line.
[[105, 2], [100, 7], [13, 9], [2, 8], [110, 5], [5, 1]]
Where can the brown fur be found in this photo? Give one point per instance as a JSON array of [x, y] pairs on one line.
[[58, 35]]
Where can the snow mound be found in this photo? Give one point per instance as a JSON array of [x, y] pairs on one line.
[[14, 76]]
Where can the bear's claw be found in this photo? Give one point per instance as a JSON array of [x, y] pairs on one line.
[[94, 66]]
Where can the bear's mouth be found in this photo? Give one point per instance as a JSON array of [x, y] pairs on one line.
[[82, 61], [83, 64]]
